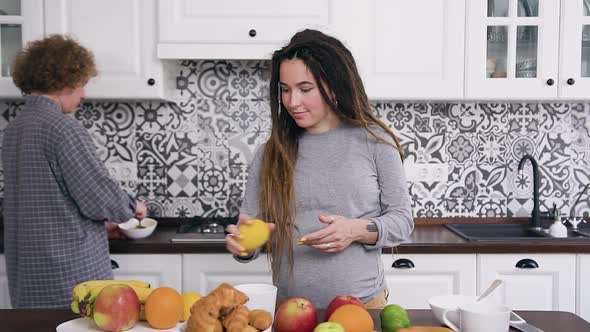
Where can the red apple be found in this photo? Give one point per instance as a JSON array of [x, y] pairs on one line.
[[342, 300], [116, 308], [329, 327], [297, 314]]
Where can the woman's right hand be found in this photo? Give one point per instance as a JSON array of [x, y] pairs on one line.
[[232, 243]]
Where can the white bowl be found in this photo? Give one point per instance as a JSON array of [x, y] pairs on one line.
[[129, 228], [440, 303]]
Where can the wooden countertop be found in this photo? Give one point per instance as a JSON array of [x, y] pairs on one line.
[[46, 320], [428, 238]]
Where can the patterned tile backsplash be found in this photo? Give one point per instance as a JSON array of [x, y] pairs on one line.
[[190, 156]]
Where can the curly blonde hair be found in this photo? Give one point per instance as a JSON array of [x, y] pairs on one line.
[[52, 64]]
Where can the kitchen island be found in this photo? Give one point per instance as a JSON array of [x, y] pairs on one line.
[[46, 320], [542, 274]]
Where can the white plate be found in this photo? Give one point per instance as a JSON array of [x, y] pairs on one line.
[[87, 324]]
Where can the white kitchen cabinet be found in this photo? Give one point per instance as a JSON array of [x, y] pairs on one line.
[[122, 36], [234, 29], [20, 22], [406, 49], [4, 293], [416, 278], [158, 270], [583, 287], [512, 49], [574, 58], [204, 272], [527, 49], [531, 281]]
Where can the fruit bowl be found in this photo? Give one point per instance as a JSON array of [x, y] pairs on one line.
[[440, 303], [133, 229], [87, 325]]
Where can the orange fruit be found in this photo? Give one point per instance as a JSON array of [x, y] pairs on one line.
[[353, 318], [164, 307]]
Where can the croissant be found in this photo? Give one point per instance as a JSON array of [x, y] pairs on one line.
[[236, 320], [227, 297], [260, 319], [205, 313], [204, 317]]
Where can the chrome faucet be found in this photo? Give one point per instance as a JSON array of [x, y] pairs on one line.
[[535, 215]]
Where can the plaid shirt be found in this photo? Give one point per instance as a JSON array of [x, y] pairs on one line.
[[56, 196]]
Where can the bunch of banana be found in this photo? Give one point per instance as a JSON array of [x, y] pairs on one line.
[[85, 293]]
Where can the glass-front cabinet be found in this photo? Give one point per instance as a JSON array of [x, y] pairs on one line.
[[527, 49], [20, 22], [512, 49], [575, 50]]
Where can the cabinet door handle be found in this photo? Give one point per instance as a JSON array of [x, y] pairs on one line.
[[252, 33], [527, 263], [151, 81], [114, 264], [571, 81], [550, 82], [402, 263]]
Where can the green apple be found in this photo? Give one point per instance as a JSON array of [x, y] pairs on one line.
[[329, 327]]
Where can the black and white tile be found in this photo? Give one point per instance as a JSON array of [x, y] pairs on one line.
[[189, 156]]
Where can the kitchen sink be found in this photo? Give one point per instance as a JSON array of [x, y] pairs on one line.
[[502, 232]]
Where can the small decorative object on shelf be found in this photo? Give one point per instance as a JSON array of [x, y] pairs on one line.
[[557, 229]]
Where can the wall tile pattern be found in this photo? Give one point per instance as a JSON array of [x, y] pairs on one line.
[[189, 156]]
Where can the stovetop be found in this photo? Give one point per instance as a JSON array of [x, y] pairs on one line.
[[203, 230]]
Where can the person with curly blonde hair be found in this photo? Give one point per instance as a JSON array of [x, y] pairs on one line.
[[57, 194]]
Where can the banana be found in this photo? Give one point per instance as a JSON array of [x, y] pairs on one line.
[[81, 290], [89, 309], [142, 313], [85, 309], [85, 305], [74, 307], [143, 293], [137, 283]]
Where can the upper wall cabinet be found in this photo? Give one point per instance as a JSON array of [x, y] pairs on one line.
[[406, 49], [122, 36], [512, 49], [526, 49], [20, 22], [574, 58], [233, 29]]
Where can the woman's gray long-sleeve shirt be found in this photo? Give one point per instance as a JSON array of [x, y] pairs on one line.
[[344, 171], [56, 196]]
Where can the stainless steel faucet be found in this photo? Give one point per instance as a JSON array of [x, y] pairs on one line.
[[535, 215]]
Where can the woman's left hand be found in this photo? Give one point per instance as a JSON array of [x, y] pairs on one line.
[[335, 237]]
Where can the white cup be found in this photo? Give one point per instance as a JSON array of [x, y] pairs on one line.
[[262, 296], [479, 317]]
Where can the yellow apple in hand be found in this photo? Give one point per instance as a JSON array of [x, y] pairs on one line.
[[254, 234]]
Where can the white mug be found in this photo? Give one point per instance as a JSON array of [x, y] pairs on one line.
[[479, 317], [262, 296]]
